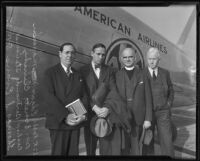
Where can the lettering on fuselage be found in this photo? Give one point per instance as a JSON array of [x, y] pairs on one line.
[[104, 19], [145, 39]]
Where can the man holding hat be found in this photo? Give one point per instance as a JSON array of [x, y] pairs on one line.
[[99, 80], [163, 95]]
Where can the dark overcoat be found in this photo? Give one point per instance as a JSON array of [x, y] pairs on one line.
[[141, 108]]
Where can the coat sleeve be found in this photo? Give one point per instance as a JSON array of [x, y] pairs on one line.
[[52, 105], [148, 98], [84, 96], [170, 93], [118, 111], [112, 79], [86, 90]]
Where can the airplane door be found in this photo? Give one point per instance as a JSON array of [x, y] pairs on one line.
[[116, 47]]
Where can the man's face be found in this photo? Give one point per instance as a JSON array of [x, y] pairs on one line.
[[67, 55], [128, 57], [152, 60], [98, 55]]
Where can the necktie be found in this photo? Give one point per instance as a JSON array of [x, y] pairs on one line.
[[67, 72], [97, 70], [97, 66], [154, 75]]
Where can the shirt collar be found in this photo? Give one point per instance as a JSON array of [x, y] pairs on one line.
[[93, 65], [151, 70], [129, 68], [65, 68]]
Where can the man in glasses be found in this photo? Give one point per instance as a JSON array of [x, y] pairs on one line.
[[134, 89], [63, 85]]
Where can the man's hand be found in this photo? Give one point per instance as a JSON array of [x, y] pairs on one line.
[[73, 120], [104, 112], [146, 124], [96, 109], [100, 111]]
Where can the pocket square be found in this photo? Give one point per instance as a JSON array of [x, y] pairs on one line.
[[141, 82]]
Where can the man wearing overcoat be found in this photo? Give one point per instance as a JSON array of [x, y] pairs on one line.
[[95, 74], [134, 89]]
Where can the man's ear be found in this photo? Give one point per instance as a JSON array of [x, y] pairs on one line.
[[91, 53], [135, 58], [59, 53], [121, 61]]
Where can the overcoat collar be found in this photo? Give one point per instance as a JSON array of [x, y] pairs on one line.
[[102, 73]]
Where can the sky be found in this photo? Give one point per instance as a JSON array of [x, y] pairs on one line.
[[170, 20]]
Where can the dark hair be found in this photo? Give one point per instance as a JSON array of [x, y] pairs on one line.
[[98, 45], [67, 44]]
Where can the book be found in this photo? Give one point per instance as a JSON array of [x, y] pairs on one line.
[[76, 107]]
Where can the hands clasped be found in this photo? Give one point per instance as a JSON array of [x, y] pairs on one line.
[[101, 111], [73, 119]]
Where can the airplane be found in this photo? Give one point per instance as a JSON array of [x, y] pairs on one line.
[[33, 37]]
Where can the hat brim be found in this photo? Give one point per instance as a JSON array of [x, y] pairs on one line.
[[100, 127]]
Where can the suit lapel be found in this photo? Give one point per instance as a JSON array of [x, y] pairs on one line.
[[147, 73], [134, 80], [66, 80], [92, 78], [163, 79], [102, 73]]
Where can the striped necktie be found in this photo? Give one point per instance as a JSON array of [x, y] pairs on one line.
[[154, 75], [67, 72]]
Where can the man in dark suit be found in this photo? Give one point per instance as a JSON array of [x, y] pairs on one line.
[[63, 85], [163, 95], [134, 89], [94, 75]]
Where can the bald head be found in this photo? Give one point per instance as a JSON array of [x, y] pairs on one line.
[[128, 57], [153, 57], [129, 50]]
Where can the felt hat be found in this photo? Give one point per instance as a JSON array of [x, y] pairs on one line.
[[145, 138], [100, 127], [148, 136]]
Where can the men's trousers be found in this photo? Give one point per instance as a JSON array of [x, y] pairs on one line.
[[161, 120], [64, 142]]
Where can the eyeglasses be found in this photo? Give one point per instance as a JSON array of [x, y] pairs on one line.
[[128, 57]]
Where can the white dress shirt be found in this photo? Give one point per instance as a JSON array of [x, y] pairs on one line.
[[96, 70], [151, 71], [65, 69]]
